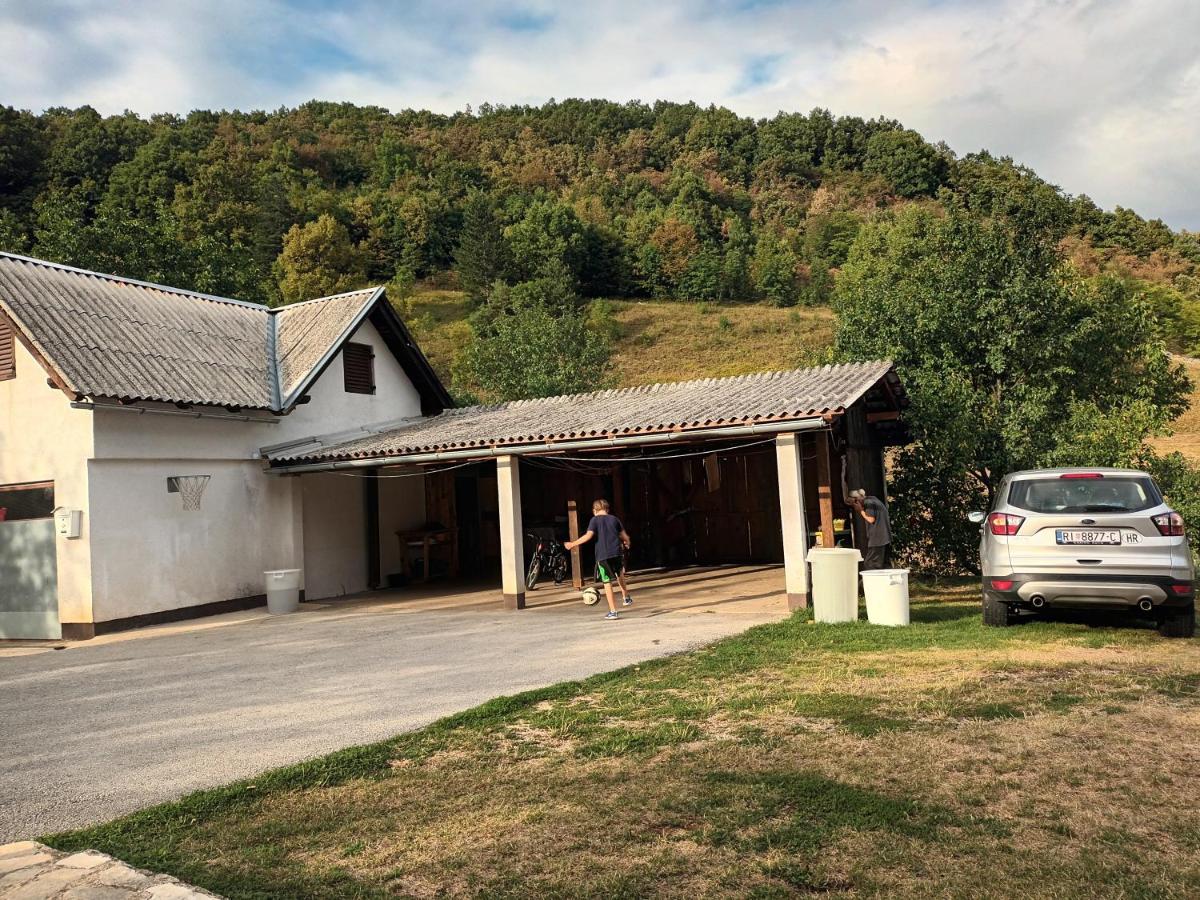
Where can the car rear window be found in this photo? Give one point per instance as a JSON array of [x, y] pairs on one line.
[[1055, 494]]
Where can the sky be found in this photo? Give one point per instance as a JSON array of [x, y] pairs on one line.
[[1101, 97]]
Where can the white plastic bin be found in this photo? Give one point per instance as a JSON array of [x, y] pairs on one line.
[[834, 583], [886, 591], [283, 591]]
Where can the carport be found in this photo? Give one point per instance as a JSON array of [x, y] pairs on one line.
[[747, 469]]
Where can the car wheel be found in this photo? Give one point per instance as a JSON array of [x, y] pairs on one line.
[[1178, 623], [997, 613]]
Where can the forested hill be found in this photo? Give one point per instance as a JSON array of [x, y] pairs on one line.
[[626, 200]]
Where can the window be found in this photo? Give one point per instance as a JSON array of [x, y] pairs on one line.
[[358, 363], [26, 501], [1118, 494], [8, 353]]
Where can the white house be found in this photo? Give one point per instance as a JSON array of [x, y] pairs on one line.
[[110, 388], [323, 441]]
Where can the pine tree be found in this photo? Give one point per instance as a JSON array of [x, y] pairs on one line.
[[482, 255]]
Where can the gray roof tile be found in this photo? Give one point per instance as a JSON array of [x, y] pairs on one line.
[[711, 402], [120, 338], [306, 331]]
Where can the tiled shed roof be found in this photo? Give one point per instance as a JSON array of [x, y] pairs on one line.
[[119, 338], [681, 406]]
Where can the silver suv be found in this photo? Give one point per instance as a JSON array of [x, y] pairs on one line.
[[1085, 538]]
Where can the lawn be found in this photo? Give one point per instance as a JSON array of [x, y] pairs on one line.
[[945, 759]]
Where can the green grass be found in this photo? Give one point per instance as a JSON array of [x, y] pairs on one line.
[[795, 757]]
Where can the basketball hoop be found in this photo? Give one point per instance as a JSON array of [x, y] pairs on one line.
[[189, 487]]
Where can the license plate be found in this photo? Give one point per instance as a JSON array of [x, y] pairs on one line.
[[1080, 536]]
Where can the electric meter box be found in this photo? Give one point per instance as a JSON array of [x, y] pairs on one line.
[[67, 522]]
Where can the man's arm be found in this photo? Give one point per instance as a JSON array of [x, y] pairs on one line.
[[862, 511], [583, 539]]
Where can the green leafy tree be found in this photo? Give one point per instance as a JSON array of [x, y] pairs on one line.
[[906, 160], [548, 239], [774, 271], [1010, 358], [318, 259], [536, 343]]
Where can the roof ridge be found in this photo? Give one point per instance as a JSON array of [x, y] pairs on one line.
[[364, 290], [134, 282]]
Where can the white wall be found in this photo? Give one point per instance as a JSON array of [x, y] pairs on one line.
[[43, 439], [335, 535], [332, 409], [150, 555], [401, 506]]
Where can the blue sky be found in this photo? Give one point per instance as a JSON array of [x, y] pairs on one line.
[[1099, 96]]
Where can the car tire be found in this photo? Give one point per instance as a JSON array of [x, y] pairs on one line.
[[997, 613], [1179, 623]]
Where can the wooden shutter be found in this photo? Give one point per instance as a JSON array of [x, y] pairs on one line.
[[358, 363], [8, 353]]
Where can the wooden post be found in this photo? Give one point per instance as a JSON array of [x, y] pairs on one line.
[[573, 534], [824, 490]]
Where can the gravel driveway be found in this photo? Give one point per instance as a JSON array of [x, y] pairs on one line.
[[116, 724]]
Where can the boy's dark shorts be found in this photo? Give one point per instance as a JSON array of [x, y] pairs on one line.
[[609, 569]]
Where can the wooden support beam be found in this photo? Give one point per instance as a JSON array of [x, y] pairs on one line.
[[883, 416], [824, 489], [573, 534]]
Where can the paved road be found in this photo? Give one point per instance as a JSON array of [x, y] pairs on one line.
[[106, 727]]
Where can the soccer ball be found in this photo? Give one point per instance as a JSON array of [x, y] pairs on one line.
[[591, 596]]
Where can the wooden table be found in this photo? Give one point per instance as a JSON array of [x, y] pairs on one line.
[[427, 539]]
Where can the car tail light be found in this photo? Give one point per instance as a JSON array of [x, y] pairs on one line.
[[1081, 475], [1181, 588], [1002, 584], [1005, 523], [1169, 524]]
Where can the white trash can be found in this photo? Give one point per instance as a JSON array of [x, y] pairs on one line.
[[834, 583], [283, 591], [886, 591]]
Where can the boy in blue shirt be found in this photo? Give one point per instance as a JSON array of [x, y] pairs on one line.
[[610, 537]]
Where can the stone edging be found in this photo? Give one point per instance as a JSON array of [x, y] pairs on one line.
[[33, 871]]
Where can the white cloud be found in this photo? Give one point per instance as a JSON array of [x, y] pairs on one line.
[[1099, 96]]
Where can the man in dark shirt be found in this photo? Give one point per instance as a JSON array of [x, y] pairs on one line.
[[609, 534], [878, 552]]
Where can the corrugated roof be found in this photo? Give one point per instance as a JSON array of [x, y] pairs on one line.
[[119, 338], [305, 332], [680, 406]]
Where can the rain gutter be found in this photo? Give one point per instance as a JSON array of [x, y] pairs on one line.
[[606, 443], [186, 413]]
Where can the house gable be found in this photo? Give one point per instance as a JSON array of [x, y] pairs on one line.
[[104, 338]]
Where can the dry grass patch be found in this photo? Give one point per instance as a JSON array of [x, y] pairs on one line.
[[1186, 437], [945, 759], [656, 340]]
